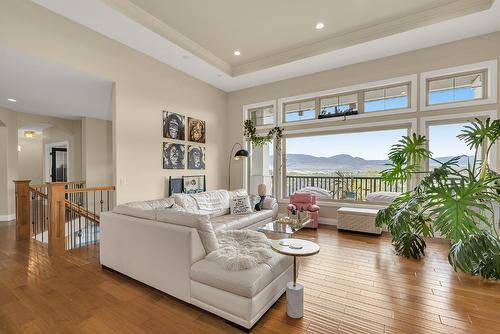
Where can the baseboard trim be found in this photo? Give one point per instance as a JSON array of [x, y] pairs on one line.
[[7, 218], [327, 221]]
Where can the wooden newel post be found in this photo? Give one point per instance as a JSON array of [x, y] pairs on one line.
[[23, 203], [57, 219]]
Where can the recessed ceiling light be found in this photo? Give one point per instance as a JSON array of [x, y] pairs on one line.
[[237, 52], [320, 25], [11, 100]]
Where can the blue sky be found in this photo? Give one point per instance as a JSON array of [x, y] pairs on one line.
[[375, 145]]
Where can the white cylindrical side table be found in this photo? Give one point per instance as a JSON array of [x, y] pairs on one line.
[[294, 290]]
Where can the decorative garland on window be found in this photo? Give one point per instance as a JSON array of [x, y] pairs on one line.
[[250, 134]]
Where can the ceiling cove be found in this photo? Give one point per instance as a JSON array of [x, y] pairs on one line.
[[277, 40]]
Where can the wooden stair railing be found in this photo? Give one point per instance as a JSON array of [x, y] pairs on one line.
[[60, 209]]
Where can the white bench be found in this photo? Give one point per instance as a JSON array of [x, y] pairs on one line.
[[358, 219]]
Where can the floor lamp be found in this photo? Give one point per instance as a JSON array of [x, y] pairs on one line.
[[241, 153]]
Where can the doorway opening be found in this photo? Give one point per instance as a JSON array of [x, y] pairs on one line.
[[56, 162]]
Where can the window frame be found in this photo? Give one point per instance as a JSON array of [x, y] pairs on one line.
[[426, 122], [409, 95], [283, 120], [359, 89], [269, 103], [489, 86], [262, 108]]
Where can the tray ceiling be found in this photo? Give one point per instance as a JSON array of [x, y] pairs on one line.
[[276, 37]]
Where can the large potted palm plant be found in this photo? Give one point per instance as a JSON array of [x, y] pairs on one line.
[[456, 201]]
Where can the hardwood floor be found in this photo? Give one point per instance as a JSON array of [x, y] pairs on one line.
[[354, 285]]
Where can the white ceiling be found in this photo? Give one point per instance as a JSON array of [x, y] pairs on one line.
[[49, 89], [277, 38], [261, 28]]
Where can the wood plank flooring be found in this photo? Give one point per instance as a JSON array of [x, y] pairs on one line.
[[354, 285]]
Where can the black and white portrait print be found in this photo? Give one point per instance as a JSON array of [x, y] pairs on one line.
[[196, 157], [173, 156], [174, 125]]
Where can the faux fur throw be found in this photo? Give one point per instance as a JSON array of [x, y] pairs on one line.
[[241, 249]]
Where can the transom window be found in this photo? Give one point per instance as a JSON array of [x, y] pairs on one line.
[[387, 98], [298, 111], [457, 88], [262, 115], [338, 105]]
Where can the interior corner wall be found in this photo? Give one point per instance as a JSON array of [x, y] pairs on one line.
[[30, 158], [8, 165], [144, 88], [97, 152]]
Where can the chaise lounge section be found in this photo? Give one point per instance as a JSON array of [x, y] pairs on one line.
[[163, 243]]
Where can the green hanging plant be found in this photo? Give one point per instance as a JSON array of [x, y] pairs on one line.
[[250, 132]]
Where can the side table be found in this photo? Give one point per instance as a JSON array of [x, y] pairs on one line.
[[294, 290]]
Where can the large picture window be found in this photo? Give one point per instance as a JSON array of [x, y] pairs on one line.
[[339, 166], [444, 145]]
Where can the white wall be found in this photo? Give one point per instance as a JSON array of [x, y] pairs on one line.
[[143, 88], [30, 158], [97, 152]]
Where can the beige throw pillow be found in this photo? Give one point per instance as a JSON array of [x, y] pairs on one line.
[[240, 205]]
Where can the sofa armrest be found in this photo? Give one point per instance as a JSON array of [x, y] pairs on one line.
[[313, 208], [269, 203]]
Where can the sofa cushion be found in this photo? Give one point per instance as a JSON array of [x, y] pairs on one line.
[[238, 222], [200, 203], [246, 283], [382, 196], [146, 209], [200, 222], [240, 205]]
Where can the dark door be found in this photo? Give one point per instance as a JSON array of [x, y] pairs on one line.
[[59, 171]]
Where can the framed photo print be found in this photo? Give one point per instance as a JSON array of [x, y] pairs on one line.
[[196, 130], [174, 125], [196, 157], [173, 156], [194, 184], [175, 186]]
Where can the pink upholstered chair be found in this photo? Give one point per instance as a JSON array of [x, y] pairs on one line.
[[307, 201]]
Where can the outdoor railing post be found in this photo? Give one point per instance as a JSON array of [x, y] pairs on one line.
[[23, 201], [57, 218]]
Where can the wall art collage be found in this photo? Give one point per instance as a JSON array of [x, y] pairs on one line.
[[176, 154]]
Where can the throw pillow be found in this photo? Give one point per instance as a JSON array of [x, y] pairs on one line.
[[240, 205]]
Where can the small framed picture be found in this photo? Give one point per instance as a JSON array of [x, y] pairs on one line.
[[173, 156], [196, 130], [194, 184], [196, 157], [174, 125], [175, 186]]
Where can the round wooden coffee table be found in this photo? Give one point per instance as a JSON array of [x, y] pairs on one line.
[[294, 290]]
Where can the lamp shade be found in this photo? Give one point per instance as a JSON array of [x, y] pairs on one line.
[[261, 189], [241, 154]]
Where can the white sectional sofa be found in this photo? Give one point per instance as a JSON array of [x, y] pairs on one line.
[[163, 243]]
